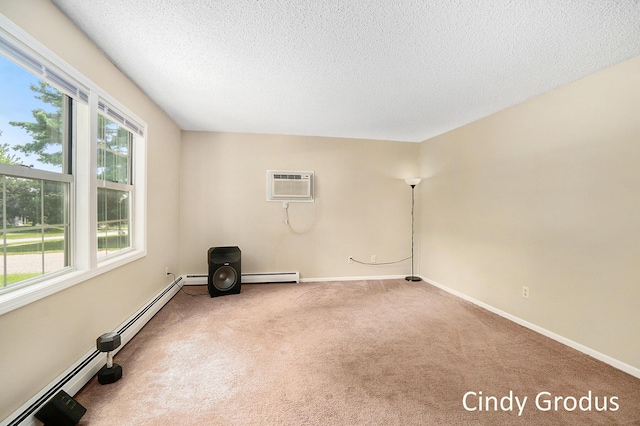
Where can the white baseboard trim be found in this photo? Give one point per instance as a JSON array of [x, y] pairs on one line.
[[629, 369], [201, 279], [271, 277], [362, 278], [79, 374], [194, 279]]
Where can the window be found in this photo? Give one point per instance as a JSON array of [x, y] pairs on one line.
[[72, 175], [35, 124], [115, 191]]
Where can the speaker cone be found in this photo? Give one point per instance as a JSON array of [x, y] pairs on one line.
[[224, 278]]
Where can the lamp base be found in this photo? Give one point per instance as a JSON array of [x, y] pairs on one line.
[[412, 278]]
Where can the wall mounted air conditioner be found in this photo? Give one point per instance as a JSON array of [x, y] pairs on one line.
[[287, 185]]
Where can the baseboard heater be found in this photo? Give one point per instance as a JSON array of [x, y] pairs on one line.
[[261, 278], [79, 374], [271, 277]]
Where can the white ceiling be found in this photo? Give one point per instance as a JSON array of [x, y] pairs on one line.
[[403, 70]]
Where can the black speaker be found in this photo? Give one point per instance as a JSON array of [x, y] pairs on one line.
[[61, 410], [224, 271]]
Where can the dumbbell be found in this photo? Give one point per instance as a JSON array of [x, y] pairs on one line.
[[110, 372]]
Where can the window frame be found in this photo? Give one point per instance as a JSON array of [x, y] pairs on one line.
[[83, 181], [109, 113]]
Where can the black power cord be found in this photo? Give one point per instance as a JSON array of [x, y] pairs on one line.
[[380, 263], [182, 287]]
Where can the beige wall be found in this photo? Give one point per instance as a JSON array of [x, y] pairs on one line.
[[545, 194], [362, 204], [41, 340]]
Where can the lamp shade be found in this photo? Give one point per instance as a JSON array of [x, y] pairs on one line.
[[413, 181]]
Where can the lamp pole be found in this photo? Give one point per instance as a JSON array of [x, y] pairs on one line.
[[412, 182]]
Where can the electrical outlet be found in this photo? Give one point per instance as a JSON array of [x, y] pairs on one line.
[[373, 258], [525, 292], [350, 259]]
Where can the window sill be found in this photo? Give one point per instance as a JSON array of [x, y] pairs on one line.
[[15, 299]]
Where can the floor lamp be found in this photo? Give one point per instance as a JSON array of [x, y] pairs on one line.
[[412, 182]]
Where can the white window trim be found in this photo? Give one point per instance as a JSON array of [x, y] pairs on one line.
[[85, 264], [29, 173]]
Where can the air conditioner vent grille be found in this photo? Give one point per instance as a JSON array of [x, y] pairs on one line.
[[289, 185], [287, 177]]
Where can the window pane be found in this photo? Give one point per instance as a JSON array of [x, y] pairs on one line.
[[23, 202], [24, 251], [113, 151], [32, 114], [30, 247], [55, 248], [55, 200], [2, 271], [113, 221], [2, 201]]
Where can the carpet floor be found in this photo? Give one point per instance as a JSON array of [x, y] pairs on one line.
[[379, 352]]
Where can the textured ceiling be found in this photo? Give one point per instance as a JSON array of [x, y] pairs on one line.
[[403, 70]]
